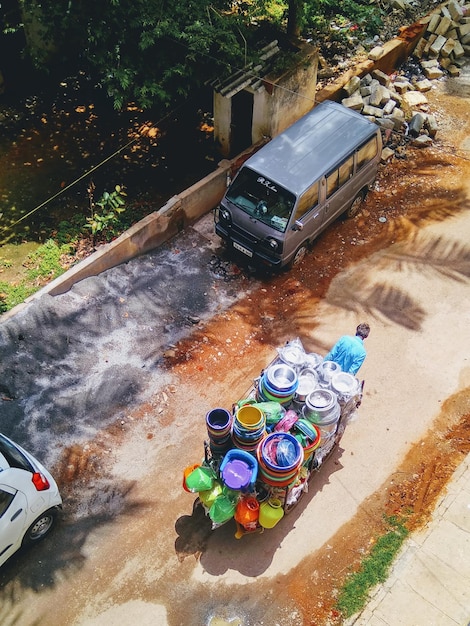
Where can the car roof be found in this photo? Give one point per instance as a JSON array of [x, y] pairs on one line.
[[317, 142]]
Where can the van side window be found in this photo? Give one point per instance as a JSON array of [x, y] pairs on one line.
[[307, 201], [332, 183], [346, 170], [366, 152]]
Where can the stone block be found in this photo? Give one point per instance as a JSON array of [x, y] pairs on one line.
[[353, 102], [433, 22], [444, 26], [366, 80], [372, 111], [465, 40], [445, 62], [445, 12], [384, 79], [396, 97], [463, 29], [437, 45], [403, 87], [429, 63], [427, 47], [419, 48], [433, 73], [376, 53], [379, 96], [415, 98], [423, 141], [423, 85], [389, 106], [452, 34], [455, 10], [454, 71], [385, 123], [458, 50], [387, 154], [365, 91], [447, 47], [431, 125], [461, 61], [398, 118], [352, 85]]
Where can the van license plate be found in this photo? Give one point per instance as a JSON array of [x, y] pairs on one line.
[[237, 246]]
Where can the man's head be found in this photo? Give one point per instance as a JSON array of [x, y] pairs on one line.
[[363, 330]]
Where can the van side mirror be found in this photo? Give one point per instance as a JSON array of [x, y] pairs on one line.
[[297, 225]]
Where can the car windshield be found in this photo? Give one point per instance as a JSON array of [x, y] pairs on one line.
[[261, 198], [13, 456]]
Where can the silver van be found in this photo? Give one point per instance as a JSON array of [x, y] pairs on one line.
[[288, 192]]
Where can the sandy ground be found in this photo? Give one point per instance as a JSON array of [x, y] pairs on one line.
[[143, 555]]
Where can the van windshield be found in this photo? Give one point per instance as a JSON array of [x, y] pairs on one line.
[[261, 198]]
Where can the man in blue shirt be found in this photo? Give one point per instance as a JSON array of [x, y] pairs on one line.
[[348, 351]]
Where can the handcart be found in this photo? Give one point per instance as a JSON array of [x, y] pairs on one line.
[[260, 456]]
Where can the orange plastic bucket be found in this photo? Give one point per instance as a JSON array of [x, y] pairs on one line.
[[187, 472]]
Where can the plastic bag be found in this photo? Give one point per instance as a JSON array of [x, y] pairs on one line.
[[273, 411], [222, 509], [286, 453], [200, 479]]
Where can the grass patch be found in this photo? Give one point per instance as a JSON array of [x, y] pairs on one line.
[[43, 266], [373, 569]]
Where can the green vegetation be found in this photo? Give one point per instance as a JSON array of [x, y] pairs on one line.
[[373, 569], [55, 256], [106, 220], [42, 266]]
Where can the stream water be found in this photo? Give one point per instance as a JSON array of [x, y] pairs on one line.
[[61, 136]]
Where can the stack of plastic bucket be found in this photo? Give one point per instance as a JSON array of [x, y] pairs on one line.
[[249, 427], [219, 428], [322, 408], [280, 457], [309, 436], [278, 384]]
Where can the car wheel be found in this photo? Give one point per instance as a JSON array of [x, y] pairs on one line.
[[40, 527], [355, 206]]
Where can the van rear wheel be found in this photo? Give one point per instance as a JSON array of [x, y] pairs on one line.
[[356, 205]]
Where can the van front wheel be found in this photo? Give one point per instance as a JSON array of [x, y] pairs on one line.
[[355, 206], [298, 256]]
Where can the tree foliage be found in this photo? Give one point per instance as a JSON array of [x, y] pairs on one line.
[[149, 51], [156, 51]]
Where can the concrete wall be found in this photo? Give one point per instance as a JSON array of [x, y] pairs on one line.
[[286, 98], [279, 102]]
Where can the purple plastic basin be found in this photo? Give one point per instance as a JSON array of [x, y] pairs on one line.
[[236, 474]]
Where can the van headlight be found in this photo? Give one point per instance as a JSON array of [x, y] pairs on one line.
[[224, 215], [272, 243]]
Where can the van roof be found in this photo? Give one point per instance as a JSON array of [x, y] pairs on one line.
[[315, 143]]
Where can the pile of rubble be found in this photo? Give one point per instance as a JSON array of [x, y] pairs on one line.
[[390, 102], [398, 102], [446, 38]]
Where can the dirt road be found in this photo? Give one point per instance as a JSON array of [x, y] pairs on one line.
[[141, 556]]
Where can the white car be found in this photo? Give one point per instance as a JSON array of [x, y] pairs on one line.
[[29, 499]]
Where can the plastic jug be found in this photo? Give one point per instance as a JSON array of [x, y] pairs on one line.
[[247, 512], [270, 513]]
